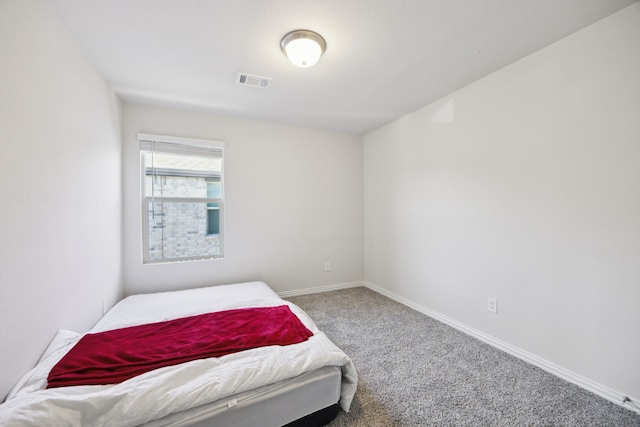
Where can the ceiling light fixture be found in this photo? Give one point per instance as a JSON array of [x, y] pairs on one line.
[[303, 47]]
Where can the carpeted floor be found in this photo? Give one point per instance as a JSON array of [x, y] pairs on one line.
[[416, 371]]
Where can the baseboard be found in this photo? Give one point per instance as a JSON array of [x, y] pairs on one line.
[[572, 377], [318, 289]]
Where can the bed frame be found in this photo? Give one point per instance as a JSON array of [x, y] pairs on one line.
[[306, 401]]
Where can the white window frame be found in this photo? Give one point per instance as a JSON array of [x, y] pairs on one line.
[[191, 145]]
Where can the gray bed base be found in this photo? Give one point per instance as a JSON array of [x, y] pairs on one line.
[[313, 395]]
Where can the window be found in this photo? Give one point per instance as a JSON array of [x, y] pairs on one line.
[[182, 198]]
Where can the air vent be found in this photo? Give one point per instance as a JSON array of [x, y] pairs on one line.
[[253, 81]]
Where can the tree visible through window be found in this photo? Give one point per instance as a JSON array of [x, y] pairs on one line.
[[182, 198]]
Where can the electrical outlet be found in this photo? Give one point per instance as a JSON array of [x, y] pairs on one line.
[[327, 267], [492, 305]]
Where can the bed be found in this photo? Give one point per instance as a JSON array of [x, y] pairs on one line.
[[299, 384]]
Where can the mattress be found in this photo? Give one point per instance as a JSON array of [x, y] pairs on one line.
[[272, 385]]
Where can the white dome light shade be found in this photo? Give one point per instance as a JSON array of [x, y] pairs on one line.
[[303, 52], [303, 47]]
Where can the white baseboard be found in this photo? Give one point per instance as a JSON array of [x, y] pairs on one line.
[[544, 364], [318, 289]]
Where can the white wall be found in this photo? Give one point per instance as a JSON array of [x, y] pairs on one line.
[[524, 186], [293, 200], [60, 192]]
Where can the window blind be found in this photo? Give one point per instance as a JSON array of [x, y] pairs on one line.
[[174, 145]]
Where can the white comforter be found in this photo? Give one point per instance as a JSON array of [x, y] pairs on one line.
[[176, 388]]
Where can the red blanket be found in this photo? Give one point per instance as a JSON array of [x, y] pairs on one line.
[[113, 356]]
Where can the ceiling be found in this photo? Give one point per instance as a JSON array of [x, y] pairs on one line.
[[384, 58]]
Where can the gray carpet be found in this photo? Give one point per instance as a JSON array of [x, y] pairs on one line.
[[416, 371]]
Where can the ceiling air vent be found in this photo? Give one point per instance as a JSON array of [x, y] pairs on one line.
[[245, 79]]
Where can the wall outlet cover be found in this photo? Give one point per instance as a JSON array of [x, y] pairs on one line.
[[492, 305]]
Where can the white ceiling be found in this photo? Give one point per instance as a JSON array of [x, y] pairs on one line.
[[384, 58]]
